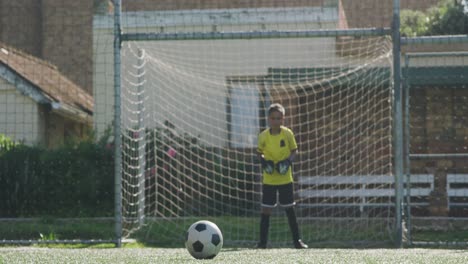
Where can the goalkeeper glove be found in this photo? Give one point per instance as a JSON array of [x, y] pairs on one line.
[[267, 165], [283, 166]]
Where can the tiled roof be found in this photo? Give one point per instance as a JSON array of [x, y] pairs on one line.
[[46, 78]]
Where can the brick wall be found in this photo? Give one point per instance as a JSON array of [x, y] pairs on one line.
[[59, 31], [67, 38], [64, 37], [20, 25], [439, 124]]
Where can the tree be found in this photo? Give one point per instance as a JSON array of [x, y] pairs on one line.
[[413, 23], [447, 18]]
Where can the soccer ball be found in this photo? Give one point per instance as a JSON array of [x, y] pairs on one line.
[[203, 240]]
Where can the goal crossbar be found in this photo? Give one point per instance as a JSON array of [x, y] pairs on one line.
[[255, 34]]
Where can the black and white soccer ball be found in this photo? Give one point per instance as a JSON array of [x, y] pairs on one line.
[[204, 240]]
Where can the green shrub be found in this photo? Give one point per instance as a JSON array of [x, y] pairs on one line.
[[6, 143], [70, 181], [448, 17], [413, 23]]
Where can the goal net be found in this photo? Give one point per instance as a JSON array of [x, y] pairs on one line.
[[192, 108]]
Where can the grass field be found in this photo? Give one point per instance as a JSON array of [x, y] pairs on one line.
[[229, 255], [143, 251]]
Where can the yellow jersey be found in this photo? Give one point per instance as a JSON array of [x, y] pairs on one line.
[[277, 148]]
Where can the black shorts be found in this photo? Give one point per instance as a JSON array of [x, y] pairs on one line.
[[271, 193]]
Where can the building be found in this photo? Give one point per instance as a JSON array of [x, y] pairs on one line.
[[38, 104]]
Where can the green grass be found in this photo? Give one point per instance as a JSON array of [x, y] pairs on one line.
[[162, 242], [230, 255], [243, 231], [237, 231], [449, 235], [50, 229]]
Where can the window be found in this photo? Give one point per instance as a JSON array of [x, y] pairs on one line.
[[246, 112]]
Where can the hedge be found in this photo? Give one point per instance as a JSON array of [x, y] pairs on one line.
[[75, 180]]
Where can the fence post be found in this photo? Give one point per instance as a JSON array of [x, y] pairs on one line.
[[117, 118], [397, 123]]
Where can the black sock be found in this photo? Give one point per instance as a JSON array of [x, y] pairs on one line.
[[293, 223], [264, 226]]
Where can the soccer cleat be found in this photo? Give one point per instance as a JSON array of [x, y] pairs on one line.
[[299, 244]]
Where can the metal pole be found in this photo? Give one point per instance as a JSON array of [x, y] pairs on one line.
[[435, 39], [255, 34], [117, 129], [142, 139], [407, 138], [397, 123], [439, 156], [436, 54]]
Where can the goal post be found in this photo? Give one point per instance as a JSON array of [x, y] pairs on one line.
[[398, 124], [208, 79], [134, 119], [117, 41]]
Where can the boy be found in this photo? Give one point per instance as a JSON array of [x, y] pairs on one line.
[[276, 150]]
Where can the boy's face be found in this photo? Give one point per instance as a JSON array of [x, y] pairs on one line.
[[275, 119]]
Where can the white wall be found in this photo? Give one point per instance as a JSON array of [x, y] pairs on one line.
[[103, 78], [186, 80], [20, 118]]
